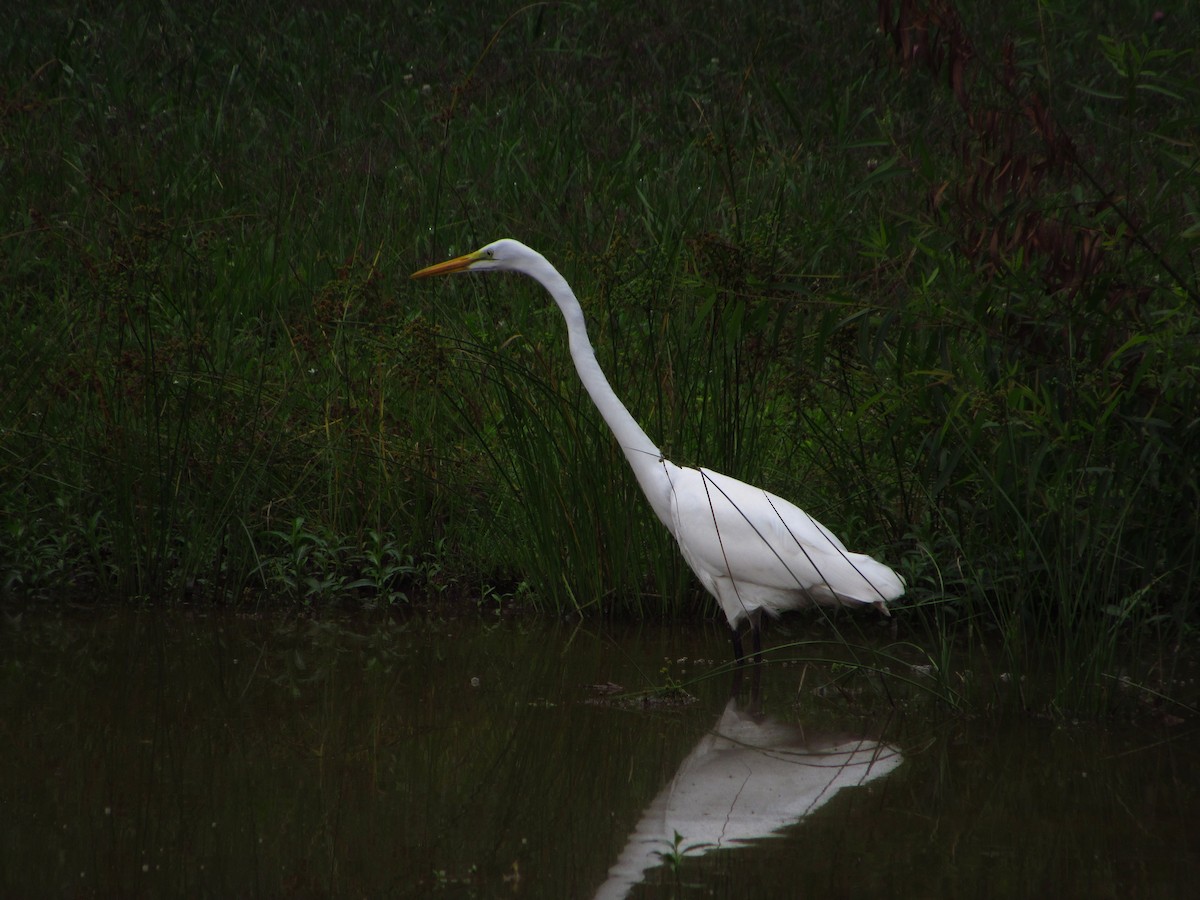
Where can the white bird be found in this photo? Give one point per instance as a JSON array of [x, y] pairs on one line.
[[753, 551]]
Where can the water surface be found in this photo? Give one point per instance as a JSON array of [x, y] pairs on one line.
[[178, 754]]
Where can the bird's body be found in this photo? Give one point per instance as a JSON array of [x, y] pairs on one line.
[[754, 552]]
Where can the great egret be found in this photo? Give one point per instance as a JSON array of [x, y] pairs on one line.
[[753, 551]]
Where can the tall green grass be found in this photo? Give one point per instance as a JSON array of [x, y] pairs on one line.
[[805, 253]]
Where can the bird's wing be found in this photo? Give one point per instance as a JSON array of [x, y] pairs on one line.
[[729, 527]]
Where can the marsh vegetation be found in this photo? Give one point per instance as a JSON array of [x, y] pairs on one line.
[[931, 276]]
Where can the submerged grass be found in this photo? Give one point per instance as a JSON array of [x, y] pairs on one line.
[[941, 293]]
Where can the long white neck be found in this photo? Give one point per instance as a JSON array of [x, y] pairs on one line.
[[644, 457]]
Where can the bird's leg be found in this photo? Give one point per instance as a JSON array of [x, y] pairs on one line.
[[756, 631], [739, 655]]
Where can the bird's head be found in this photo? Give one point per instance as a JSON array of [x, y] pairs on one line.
[[503, 255]]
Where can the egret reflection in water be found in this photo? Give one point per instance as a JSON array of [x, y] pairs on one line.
[[748, 778]]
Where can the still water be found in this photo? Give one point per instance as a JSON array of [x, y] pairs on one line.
[[179, 755]]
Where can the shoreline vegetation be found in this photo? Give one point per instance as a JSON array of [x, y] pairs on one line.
[[930, 276]]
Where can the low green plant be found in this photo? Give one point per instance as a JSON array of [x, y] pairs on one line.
[[677, 851], [315, 566]]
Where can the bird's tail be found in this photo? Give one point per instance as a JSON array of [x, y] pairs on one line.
[[878, 585]]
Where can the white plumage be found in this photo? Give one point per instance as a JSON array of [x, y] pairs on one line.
[[755, 552]]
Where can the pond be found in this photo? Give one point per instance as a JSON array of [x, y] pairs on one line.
[[179, 754]]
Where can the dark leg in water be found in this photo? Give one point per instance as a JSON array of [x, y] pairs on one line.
[[735, 691], [739, 655], [756, 628]]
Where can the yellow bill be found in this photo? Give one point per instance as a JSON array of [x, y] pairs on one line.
[[450, 266]]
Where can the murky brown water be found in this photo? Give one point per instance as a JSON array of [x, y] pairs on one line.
[[162, 754]]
